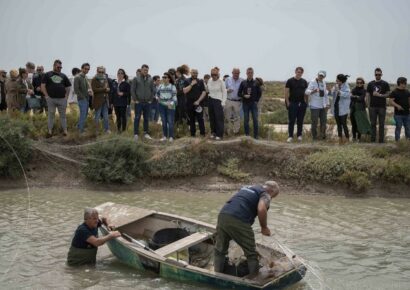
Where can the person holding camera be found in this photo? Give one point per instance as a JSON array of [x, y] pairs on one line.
[[319, 104]]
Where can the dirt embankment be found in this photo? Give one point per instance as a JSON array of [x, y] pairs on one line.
[[59, 165]]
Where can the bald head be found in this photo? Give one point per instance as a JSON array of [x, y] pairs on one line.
[[235, 73]]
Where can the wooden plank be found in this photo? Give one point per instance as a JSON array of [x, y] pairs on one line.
[[120, 214], [183, 243]]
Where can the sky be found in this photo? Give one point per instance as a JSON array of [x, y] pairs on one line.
[[274, 37]]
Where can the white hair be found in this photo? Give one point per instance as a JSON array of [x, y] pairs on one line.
[[89, 212]]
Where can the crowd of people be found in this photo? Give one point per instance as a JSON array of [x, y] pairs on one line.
[[180, 96]]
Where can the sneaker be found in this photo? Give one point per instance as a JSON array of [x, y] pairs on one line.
[[171, 139], [147, 136], [163, 139], [65, 133], [108, 132], [212, 136], [300, 138], [289, 140], [217, 138], [135, 137]]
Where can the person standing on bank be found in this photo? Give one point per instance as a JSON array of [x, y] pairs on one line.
[[81, 91], [180, 113], [101, 90], [85, 242], [250, 92], [120, 99], [296, 103], [3, 104], [217, 99], [195, 92], [233, 104], [377, 91], [235, 223], [142, 93], [25, 90], [357, 104], [38, 76], [56, 87], [319, 104], [167, 98], [400, 100], [340, 105]]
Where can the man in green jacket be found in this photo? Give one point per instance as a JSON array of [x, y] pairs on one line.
[[82, 90], [142, 93]]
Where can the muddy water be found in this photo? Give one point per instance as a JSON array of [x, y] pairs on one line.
[[351, 243]]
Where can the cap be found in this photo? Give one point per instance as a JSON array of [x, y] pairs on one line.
[[198, 109], [322, 73]]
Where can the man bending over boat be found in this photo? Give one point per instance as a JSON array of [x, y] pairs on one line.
[[235, 223], [84, 246]]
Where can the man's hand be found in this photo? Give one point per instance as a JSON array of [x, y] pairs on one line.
[[114, 234], [196, 103], [229, 91], [400, 108], [266, 231], [194, 82]]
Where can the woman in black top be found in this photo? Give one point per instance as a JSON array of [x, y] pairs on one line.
[[357, 104], [121, 99]]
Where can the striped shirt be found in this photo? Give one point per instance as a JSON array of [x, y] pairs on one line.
[[167, 95]]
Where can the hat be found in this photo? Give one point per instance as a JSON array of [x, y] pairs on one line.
[[198, 109], [322, 73]]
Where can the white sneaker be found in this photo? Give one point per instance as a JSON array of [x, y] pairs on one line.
[[163, 139], [147, 136], [300, 138], [217, 138], [171, 139], [108, 132], [135, 137], [289, 140]]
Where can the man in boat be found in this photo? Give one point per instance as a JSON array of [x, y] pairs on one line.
[[84, 246], [235, 223]]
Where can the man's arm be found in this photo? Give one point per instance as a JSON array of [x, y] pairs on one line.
[[263, 218], [96, 242], [287, 97]]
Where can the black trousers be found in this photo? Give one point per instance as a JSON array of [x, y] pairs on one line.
[[216, 117], [341, 122], [180, 112], [121, 114], [194, 116], [380, 115], [355, 131]]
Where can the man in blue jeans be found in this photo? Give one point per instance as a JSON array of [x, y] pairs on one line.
[[400, 100], [250, 92], [296, 103], [82, 90], [142, 93]]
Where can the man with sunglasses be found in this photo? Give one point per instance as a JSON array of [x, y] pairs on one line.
[[56, 86], [377, 92]]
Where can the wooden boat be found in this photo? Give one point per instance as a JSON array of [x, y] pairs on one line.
[[190, 258]]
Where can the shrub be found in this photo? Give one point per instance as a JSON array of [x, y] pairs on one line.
[[230, 168], [358, 181], [118, 160], [13, 133]]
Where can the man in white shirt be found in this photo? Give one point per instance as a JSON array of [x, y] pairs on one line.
[[233, 103]]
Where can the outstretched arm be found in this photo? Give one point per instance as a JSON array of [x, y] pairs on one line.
[[263, 218]]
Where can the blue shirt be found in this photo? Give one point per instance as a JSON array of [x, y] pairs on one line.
[[232, 84], [82, 233]]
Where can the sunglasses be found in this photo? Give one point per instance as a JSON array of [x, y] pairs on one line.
[[164, 77], [214, 75], [378, 75], [59, 67]]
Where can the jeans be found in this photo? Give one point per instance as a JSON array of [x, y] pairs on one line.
[[377, 113], [102, 111], [141, 109], [216, 117], [296, 114], [121, 115], [194, 116], [317, 114], [167, 119], [61, 105], [83, 108], [402, 120], [341, 122], [253, 108], [154, 114]]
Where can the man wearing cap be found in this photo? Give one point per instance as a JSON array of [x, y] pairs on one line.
[[233, 103], [235, 223], [319, 104], [194, 90]]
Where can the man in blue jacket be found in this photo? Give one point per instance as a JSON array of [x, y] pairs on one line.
[[235, 223]]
